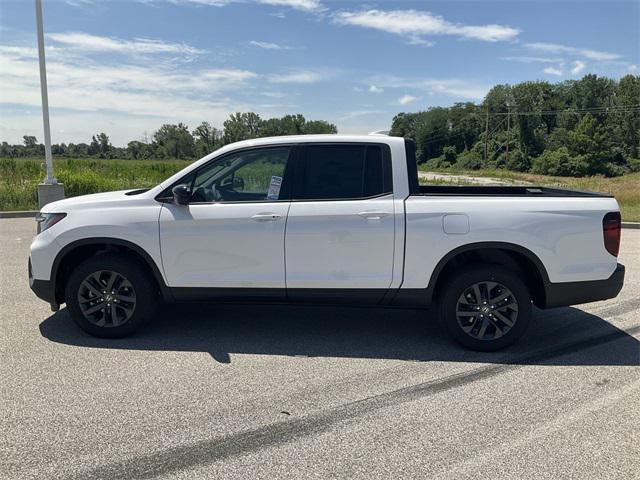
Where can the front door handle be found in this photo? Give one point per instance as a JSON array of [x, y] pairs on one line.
[[265, 217], [373, 215]]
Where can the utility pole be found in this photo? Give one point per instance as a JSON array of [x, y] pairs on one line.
[[508, 131], [50, 190], [486, 136]]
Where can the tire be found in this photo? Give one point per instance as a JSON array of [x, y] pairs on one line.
[[464, 317], [102, 314]]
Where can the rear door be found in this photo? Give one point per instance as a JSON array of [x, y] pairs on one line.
[[339, 241]]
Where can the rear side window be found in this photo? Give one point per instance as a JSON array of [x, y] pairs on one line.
[[334, 172]]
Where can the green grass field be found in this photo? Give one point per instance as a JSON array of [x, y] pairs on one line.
[[18, 180]]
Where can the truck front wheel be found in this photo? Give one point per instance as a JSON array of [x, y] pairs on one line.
[[485, 307], [110, 295]]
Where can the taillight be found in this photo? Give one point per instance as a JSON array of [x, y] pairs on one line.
[[611, 231]]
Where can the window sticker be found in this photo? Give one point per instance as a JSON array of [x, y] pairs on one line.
[[274, 188]]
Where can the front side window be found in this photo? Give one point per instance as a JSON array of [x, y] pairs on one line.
[[334, 172], [246, 176]]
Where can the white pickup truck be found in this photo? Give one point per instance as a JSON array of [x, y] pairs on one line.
[[327, 219]]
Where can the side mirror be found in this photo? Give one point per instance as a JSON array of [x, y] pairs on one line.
[[181, 194]]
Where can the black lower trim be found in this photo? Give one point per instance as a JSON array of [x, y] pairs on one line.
[[222, 294], [337, 296], [575, 293], [412, 297], [330, 296], [44, 289]]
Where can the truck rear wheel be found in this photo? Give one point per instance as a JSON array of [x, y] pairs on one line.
[[110, 295], [485, 307]]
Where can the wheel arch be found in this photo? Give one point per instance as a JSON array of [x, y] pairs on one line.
[[76, 252], [503, 253]]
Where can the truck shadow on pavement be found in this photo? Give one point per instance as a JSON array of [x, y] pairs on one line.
[[563, 336]]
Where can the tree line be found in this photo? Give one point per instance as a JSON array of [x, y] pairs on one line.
[[177, 141], [580, 127]]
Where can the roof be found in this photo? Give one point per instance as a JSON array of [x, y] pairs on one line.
[[376, 137]]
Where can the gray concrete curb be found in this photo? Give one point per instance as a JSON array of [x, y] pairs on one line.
[[20, 214], [33, 213]]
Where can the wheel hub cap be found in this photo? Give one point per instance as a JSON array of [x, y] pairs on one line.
[[486, 310], [106, 298]]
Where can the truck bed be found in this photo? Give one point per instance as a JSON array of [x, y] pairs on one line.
[[502, 191]]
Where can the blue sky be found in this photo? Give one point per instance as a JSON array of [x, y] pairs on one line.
[[126, 67]]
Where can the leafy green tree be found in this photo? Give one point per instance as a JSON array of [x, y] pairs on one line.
[[242, 126], [318, 127], [29, 141], [206, 138], [174, 141]]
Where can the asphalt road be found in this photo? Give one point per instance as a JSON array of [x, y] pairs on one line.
[[315, 392]]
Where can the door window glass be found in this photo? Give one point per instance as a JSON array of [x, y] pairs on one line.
[[344, 172], [246, 176]]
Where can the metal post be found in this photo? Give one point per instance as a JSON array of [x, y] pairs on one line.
[[508, 131], [486, 134], [45, 99]]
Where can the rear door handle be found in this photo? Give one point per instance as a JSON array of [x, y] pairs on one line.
[[373, 215], [265, 217]]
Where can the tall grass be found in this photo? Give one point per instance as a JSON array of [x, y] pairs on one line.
[[20, 177]]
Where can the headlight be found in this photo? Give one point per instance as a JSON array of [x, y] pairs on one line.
[[48, 220]]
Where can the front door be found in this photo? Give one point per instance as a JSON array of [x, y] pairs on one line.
[[231, 235]]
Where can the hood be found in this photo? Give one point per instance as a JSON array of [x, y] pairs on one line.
[[95, 200]]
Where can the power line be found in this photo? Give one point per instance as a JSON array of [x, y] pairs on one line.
[[598, 110]]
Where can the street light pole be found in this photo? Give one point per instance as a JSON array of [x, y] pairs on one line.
[[50, 190], [45, 98]]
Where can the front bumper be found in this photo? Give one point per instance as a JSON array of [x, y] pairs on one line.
[[575, 293], [44, 289]]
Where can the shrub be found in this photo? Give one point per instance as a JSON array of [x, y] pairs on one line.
[[449, 154], [436, 163], [560, 163], [469, 160], [634, 164], [518, 162]]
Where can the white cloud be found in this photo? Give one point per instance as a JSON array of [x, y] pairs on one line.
[[552, 71], [555, 48], [452, 87], [360, 113], [578, 66], [94, 43], [526, 59], [374, 89], [274, 94], [407, 99], [301, 76], [268, 45], [414, 24], [302, 5], [78, 3], [144, 94]]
